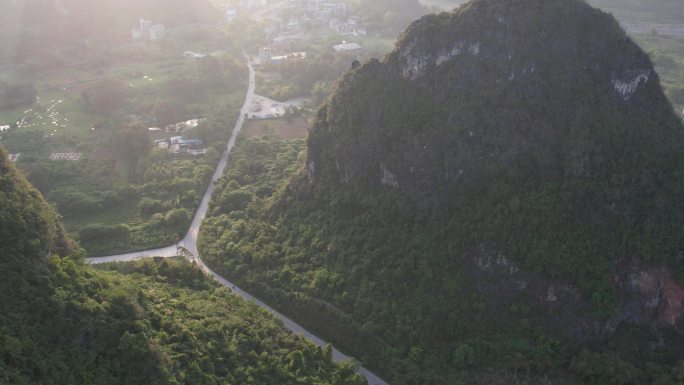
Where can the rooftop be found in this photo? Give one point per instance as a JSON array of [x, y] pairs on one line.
[[346, 47]]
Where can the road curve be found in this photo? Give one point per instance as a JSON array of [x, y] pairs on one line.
[[189, 242]]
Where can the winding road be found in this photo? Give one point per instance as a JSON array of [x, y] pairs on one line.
[[189, 242]]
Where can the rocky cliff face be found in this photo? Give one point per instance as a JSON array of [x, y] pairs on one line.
[[542, 131], [647, 296]]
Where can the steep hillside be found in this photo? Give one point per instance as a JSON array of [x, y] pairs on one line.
[[496, 200], [543, 115], [152, 322]]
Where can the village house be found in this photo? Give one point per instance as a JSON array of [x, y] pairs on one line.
[[344, 47], [180, 145]]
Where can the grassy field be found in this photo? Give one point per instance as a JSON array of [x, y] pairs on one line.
[[295, 128], [667, 54], [59, 114]]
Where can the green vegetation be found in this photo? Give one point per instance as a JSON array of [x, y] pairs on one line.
[[464, 212], [16, 96], [667, 54], [315, 75], [100, 203], [387, 17], [384, 285], [133, 215], [539, 167], [425, 175], [149, 322], [312, 76], [152, 322], [102, 109]]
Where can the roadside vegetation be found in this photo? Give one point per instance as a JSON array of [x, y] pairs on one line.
[[149, 322], [382, 285]]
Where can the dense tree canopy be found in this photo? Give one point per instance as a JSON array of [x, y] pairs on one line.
[[19, 95], [151, 322], [385, 285]]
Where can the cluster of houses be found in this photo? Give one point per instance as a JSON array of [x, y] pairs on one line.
[[325, 8], [148, 31], [180, 145], [177, 144], [350, 26], [332, 14], [346, 47], [266, 58]]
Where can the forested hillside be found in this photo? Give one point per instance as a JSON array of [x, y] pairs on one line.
[[496, 200], [151, 322], [385, 286]]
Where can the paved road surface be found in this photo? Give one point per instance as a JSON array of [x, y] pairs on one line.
[[189, 242]]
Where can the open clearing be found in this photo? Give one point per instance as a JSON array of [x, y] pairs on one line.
[[295, 128]]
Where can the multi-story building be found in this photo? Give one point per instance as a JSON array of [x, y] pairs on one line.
[[145, 27]]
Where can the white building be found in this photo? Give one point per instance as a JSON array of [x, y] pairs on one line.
[[253, 3], [230, 14], [347, 47], [265, 56], [193, 55], [145, 26], [334, 9]]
